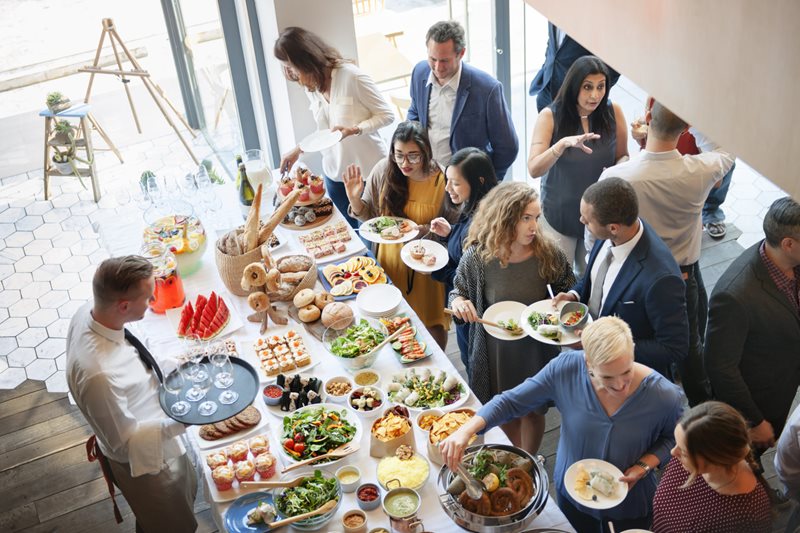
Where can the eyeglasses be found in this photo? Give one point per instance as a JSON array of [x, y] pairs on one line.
[[411, 158]]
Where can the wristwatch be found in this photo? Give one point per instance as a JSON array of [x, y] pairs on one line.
[[647, 467]]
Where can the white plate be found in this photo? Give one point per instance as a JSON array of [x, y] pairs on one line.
[[352, 247], [503, 311], [275, 410], [603, 502], [248, 352], [236, 490], [320, 140], [261, 427], [379, 300], [546, 306], [431, 248], [366, 232], [235, 322], [351, 417], [464, 395]]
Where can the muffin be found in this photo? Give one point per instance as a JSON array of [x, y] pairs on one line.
[[265, 465], [213, 460], [258, 445], [245, 470], [238, 451], [417, 251], [223, 477]]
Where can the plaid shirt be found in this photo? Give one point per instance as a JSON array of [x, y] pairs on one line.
[[789, 287]]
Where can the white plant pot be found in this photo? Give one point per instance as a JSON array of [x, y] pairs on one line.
[[64, 168]]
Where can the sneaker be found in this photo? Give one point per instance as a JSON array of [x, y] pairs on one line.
[[716, 230]]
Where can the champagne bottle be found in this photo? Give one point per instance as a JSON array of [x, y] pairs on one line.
[[246, 192], [238, 174]]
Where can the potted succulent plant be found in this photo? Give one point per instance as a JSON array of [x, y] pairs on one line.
[[64, 160], [57, 102], [64, 134], [66, 151]]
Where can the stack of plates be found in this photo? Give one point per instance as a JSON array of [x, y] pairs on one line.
[[379, 300]]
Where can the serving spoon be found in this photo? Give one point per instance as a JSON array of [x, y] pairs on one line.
[[329, 505], [516, 331]]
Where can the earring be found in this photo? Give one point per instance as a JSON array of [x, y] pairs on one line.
[[591, 373]]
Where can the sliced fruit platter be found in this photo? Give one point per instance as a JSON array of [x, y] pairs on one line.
[[208, 318], [345, 280], [408, 346]]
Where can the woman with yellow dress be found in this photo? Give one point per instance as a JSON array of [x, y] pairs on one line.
[[407, 184]]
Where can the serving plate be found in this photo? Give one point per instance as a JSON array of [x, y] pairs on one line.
[[546, 306], [237, 491], [503, 311], [602, 501], [244, 434], [367, 233], [320, 140], [431, 248]]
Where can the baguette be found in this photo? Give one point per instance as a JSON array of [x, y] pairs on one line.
[[278, 215], [251, 225], [294, 263], [294, 277]]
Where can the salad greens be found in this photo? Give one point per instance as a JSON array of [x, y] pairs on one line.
[[314, 431], [381, 223], [314, 492], [358, 339], [536, 319]]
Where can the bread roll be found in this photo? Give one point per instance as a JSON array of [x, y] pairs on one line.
[[337, 314], [322, 299], [309, 313], [294, 263], [303, 298]]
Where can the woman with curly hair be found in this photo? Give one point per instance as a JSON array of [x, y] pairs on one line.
[[507, 258], [407, 184]]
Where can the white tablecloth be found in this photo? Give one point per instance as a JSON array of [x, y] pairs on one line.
[[160, 337]]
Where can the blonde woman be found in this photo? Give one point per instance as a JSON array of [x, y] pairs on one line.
[[507, 258], [711, 484], [612, 408]]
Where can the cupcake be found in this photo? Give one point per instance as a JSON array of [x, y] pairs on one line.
[[258, 445], [219, 458], [223, 477], [238, 451], [245, 470], [417, 251], [265, 465]]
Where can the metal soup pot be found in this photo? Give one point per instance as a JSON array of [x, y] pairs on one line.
[[407, 522]]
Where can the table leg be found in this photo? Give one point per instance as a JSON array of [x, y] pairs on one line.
[[46, 169], [87, 136]]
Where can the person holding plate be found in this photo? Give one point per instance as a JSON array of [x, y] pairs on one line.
[[507, 258], [407, 184], [612, 409], [343, 98], [470, 176]]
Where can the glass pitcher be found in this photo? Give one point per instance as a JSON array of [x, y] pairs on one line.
[[169, 287]]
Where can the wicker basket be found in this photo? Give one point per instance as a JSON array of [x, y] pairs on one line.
[[307, 282], [231, 268]]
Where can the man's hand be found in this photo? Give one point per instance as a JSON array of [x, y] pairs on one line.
[[762, 435]]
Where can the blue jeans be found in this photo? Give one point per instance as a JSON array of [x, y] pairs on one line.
[[339, 198], [462, 338], [711, 210]]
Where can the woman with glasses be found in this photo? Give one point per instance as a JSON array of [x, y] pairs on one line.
[[712, 483], [407, 184], [612, 408], [342, 98]]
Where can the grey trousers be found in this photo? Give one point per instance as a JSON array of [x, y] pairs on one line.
[[163, 501]]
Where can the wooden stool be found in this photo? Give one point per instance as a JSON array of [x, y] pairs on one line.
[[83, 139]]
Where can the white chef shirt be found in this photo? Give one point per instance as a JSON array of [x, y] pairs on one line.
[[118, 395], [440, 115]]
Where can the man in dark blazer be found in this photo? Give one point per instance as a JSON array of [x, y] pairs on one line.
[[458, 104], [561, 53], [639, 280], [752, 351]]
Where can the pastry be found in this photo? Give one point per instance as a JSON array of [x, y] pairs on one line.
[[245, 470], [238, 451], [215, 459], [256, 274], [258, 301], [258, 445], [303, 298], [223, 477], [322, 299], [429, 260], [265, 465], [308, 313], [417, 251]]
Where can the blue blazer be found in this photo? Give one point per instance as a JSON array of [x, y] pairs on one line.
[[480, 118], [650, 295]]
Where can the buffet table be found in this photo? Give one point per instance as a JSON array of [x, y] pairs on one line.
[[159, 334]]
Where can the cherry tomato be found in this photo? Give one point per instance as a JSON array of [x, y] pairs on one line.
[[289, 444], [298, 437], [299, 447]]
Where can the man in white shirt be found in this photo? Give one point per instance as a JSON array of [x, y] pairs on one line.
[[671, 189], [631, 274], [115, 381], [459, 105]]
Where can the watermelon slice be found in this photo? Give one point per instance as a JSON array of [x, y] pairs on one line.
[[212, 304], [218, 321], [206, 317], [199, 307], [186, 319]]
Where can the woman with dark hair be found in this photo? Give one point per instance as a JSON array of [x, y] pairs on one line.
[[507, 258], [470, 175], [712, 484], [342, 98], [407, 184], [575, 138]]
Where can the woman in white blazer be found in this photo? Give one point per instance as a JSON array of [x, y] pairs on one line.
[[341, 97]]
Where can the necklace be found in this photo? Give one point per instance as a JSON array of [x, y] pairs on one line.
[[584, 117]]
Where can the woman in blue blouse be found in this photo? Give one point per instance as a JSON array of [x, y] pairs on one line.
[[470, 175], [612, 408]]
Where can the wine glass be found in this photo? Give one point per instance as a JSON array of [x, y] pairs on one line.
[[190, 373], [196, 348], [208, 407], [224, 377], [173, 384]]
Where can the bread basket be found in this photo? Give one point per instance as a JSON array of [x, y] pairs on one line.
[[308, 281], [231, 268]]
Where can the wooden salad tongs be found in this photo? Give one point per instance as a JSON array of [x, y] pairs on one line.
[[516, 331], [273, 484], [341, 451], [329, 505]]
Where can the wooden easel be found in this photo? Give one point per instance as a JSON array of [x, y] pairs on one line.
[[153, 88]]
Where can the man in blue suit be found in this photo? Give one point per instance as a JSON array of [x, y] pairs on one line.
[[561, 53], [458, 104], [631, 274]]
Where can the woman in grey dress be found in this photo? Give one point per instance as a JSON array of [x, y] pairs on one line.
[[507, 258]]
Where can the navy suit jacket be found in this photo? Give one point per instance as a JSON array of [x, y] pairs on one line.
[[557, 61], [480, 118], [650, 295]]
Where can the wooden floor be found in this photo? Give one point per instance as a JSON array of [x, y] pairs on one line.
[[46, 483]]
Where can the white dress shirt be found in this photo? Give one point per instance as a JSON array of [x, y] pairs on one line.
[[440, 115], [118, 395], [620, 255], [355, 101]]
